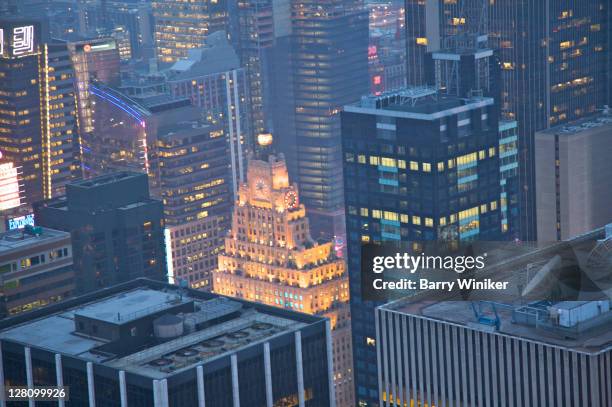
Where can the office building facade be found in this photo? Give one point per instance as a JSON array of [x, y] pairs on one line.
[[20, 115], [462, 364], [36, 269], [116, 228], [195, 183], [211, 77], [418, 165], [124, 137], [61, 147], [553, 57], [180, 27], [572, 178], [504, 350], [95, 60], [271, 258], [166, 346], [328, 69]]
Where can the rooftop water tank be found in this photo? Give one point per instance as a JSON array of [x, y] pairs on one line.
[[168, 326]]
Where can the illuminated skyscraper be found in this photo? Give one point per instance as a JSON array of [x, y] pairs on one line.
[[60, 141], [180, 25], [271, 258], [38, 123], [20, 112]]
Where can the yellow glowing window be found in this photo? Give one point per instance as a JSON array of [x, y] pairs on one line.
[[365, 238], [404, 218], [507, 66], [391, 216], [458, 21], [376, 213], [451, 163], [374, 160], [595, 27], [414, 166], [370, 341], [483, 208], [364, 211], [482, 154], [440, 166], [492, 152], [421, 41], [401, 164], [493, 205], [453, 218], [443, 221], [388, 162], [427, 167], [468, 213], [566, 44], [416, 220], [361, 159], [429, 222]]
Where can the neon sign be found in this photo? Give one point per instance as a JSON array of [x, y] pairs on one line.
[[23, 40], [20, 222]]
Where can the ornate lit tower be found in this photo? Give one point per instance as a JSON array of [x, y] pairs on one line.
[[271, 258]]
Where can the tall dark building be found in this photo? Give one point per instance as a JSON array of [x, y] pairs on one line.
[[145, 343], [328, 69], [418, 165], [20, 112], [554, 56], [116, 228]]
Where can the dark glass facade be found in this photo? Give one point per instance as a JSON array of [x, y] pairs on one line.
[[328, 68], [412, 173], [116, 228]]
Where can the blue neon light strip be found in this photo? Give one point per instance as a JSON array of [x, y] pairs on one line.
[[117, 102]]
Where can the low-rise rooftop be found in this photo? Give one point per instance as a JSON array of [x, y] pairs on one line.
[[150, 328], [576, 324]]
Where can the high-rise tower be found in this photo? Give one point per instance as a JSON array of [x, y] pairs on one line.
[[271, 258]]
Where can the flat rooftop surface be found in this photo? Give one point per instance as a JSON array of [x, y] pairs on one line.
[[245, 325], [18, 240], [129, 306], [523, 262], [461, 313]]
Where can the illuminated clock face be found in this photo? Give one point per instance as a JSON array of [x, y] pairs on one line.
[[261, 188], [291, 200]]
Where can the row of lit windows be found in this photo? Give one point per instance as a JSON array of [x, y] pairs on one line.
[[423, 166], [429, 222]]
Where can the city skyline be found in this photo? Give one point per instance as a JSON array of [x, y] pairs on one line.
[[222, 168]]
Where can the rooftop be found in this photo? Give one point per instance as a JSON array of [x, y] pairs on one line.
[[602, 122], [421, 103], [580, 325], [217, 57], [16, 240], [181, 327]]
